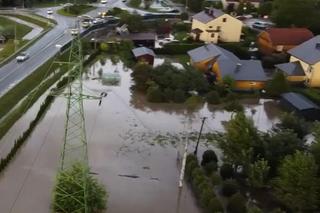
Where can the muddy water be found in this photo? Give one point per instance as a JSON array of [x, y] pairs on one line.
[[122, 141]]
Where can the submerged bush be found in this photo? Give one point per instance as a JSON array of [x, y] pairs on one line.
[[70, 182]]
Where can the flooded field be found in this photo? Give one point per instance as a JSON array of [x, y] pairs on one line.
[[139, 168]]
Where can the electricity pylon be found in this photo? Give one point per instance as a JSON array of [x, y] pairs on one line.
[[74, 151]]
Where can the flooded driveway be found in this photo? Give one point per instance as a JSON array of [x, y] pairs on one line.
[[139, 168]]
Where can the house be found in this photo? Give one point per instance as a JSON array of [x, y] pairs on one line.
[[277, 40], [212, 25], [146, 39], [144, 54], [304, 58], [235, 3], [2, 39], [299, 104], [248, 74]]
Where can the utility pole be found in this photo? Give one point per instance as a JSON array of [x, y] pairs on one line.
[[196, 149]]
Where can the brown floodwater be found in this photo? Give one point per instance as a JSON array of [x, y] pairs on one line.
[[123, 140]]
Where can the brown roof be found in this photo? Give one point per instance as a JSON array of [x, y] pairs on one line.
[[289, 36]]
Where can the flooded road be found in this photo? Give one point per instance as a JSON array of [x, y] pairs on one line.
[[139, 168]]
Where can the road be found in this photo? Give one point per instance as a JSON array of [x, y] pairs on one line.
[[45, 48]]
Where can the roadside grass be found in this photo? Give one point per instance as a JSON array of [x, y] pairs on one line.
[[52, 3], [135, 3], [75, 10], [8, 27], [42, 24], [9, 48]]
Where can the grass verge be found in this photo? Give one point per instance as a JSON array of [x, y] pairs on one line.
[[44, 24], [75, 10]]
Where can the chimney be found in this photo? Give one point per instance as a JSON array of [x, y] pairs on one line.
[[318, 45], [211, 12], [207, 10], [238, 67]]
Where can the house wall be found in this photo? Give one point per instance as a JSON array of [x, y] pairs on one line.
[[312, 72], [230, 31], [203, 65], [296, 79], [250, 85], [266, 47]]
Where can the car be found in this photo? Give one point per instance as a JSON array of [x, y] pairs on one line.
[[74, 31], [49, 11], [85, 24], [260, 25], [103, 1], [22, 57], [98, 21], [124, 1]]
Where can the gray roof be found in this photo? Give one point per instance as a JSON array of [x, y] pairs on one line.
[[291, 68], [308, 51], [205, 18], [299, 101], [142, 51], [229, 64], [242, 70]]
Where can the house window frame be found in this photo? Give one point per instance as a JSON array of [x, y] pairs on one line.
[[224, 20]]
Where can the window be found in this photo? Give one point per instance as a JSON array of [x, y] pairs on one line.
[[218, 28], [212, 35], [210, 26], [224, 20]]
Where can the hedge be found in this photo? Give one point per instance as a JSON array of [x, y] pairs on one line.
[[177, 48]]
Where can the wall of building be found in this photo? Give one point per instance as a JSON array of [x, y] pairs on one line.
[[296, 79], [203, 65], [249, 85]]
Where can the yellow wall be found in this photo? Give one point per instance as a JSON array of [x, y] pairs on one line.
[[312, 72], [230, 30], [203, 65], [296, 78], [249, 85]]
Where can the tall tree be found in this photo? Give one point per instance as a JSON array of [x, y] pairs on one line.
[[297, 185], [300, 13], [315, 146], [241, 135]]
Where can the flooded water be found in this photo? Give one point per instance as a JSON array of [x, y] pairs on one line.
[[123, 142]]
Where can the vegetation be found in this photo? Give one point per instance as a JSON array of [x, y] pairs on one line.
[[135, 3], [277, 85], [237, 204], [75, 10], [70, 182]]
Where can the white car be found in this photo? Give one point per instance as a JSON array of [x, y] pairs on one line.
[[260, 25], [103, 1], [167, 41], [74, 32], [98, 20], [22, 57], [49, 11]]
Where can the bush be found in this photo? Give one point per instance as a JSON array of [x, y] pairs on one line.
[[179, 96], [208, 156], [205, 196], [70, 182], [154, 95], [213, 97], [215, 205], [210, 167], [226, 171], [234, 106], [184, 16], [177, 48], [197, 180], [229, 187], [197, 172], [215, 179], [277, 85], [237, 204], [104, 47], [193, 102]]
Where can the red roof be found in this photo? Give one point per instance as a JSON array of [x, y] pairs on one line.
[[289, 36]]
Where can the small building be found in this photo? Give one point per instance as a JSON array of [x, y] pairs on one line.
[[300, 105], [293, 71], [143, 39], [212, 26], [307, 57], [2, 39], [248, 74], [278, 40], [144, 54], [235, 3]]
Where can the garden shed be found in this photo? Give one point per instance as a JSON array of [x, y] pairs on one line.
[[301, 105], [144, 54]]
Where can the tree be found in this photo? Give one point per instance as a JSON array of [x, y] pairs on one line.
[[277, 85], [96, 197], [213, 97], [297, 185], [237, 204], [276, 145], [238, 144], [315, 146], [134, 21], [208, 156], [258, 173], [265, 8], [245, 8], [154, 94], [195, 5], [141, 74], [285, 13]]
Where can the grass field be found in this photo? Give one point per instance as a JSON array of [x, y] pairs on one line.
[[53, 3], [75, 10], [29, 19], [7, 26]]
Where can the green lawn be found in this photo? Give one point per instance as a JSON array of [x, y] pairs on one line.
[[75, 10], [44, 24], [52, 3], [8, 26]]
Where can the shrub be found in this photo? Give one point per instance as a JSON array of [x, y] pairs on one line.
[[277, 85], [179, 96], [215, 179], [154, 95], [229, 187], [215, 205], [197, 172], [233, 106], [210, 167], [191, 157], [226, 171], [104, 47], [191, 164], [237, 204], [184, 16], [205, 196], [197, 180], [176, 48], [213, 97], [193, 102], [208, 156]]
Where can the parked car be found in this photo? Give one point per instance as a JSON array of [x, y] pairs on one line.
[[49, 11], [260, 25], [103, 1], [98, 20], [22, 57], [74, 31]]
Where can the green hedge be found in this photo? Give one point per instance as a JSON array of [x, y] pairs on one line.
[[177, 48]]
